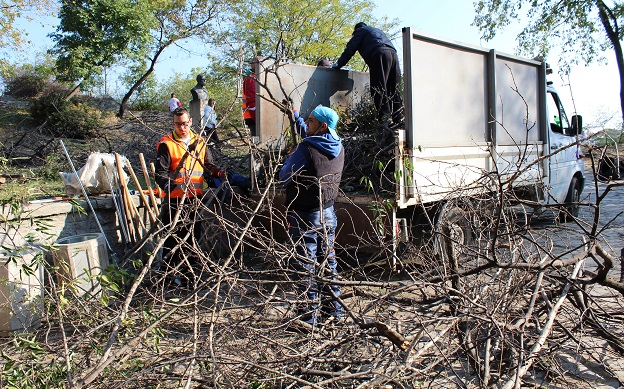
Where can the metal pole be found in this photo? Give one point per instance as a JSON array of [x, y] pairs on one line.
[[84, 191], [120, 214]]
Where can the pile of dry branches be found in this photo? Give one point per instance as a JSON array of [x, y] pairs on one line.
[[513, 303]]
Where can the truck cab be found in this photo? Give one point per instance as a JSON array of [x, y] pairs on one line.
[[566, 162]]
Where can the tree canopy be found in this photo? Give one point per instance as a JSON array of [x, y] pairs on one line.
[[293, 30], [10, 11], [95, 34], [581, 29]]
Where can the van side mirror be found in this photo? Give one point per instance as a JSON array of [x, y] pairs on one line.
[[577, 125]]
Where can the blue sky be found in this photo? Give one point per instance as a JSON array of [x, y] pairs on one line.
[[595, 89]]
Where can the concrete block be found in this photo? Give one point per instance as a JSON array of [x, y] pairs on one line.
[[80, 259], [21, 291]]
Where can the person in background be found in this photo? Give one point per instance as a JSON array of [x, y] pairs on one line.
[[174, 103], [323, 63], [249, 101], [385, 75], [184, 168], [210, 121], [312, 175]]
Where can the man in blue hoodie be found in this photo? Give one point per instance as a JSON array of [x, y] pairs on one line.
[[312, 175], [383, 63]]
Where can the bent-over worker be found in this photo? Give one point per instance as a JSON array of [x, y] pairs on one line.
[[383, 62]]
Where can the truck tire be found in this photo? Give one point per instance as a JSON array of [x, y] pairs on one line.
[[455, 235], [570, 209]]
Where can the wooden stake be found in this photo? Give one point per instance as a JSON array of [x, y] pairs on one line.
[[141, 195], [132, 230], [149, 184]]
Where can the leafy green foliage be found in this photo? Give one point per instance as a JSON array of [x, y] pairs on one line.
[[11, 37], [294, 30], [47, 104], [114, 280], [175, 21], [27, 80], [581, 30], [572, 26], [37, 373], [94, 34], [148, 96], [78, 120]]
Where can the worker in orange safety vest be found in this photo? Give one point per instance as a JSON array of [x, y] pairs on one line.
[[184, 170], [249, 101]]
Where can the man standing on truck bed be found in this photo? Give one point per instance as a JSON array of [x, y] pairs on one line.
[[312, 175], [383, 62]]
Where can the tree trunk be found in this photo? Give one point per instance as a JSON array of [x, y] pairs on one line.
[[73, 92], [609, 22], [150, 70]]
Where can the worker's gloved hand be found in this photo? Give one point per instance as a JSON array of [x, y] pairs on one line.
[[217, 173]]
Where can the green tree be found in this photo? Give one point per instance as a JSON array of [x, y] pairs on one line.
[[581, 29], [96, 34], [293, 30], [177, 21]]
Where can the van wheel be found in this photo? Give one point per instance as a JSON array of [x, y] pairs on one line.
[[570, 210], [453, 230], [455, 239], [463, 237]]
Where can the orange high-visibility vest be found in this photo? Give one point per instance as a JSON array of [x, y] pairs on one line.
[[190, 177], [247, 113], [249, 93]]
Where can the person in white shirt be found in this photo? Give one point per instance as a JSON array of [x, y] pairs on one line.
[[209, 121], [174, 103]]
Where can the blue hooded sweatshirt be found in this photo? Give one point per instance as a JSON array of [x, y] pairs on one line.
[[325, 143]]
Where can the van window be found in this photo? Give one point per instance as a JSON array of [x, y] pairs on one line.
[[557, 117]]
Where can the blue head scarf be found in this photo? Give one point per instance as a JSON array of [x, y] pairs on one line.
[[329, 116]]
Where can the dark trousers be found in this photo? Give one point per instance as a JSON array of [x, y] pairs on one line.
[[178, 245], [251, 124], [313, 234], [213, 134], [385, 75]]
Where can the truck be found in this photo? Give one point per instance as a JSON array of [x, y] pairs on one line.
[[478, 122]]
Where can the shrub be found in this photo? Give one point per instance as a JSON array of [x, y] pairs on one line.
[[77, 120], [49, 103], [27, 81], [66, 118]]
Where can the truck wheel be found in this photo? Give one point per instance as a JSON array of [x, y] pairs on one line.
[[570, 209], [455, 235]]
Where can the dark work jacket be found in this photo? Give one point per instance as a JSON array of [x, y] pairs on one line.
[[366, 40], [302, 193]]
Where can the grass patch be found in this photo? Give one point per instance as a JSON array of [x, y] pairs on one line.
[[31, 187]]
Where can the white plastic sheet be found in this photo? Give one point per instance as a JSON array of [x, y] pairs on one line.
[[93, 175]]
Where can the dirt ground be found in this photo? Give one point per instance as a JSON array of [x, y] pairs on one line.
[[600, 373], [249, 322]]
